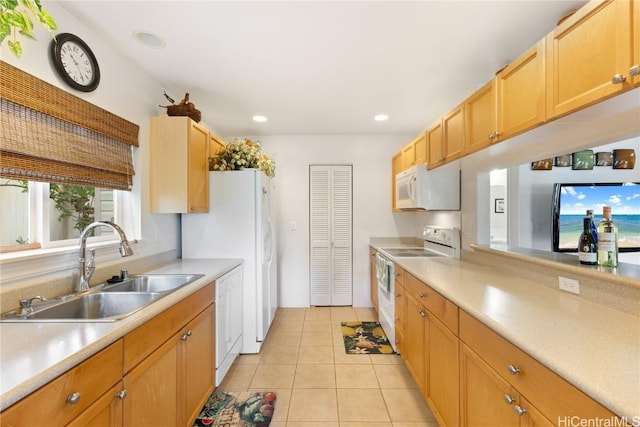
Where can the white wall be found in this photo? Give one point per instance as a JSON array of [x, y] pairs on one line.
[[125, 91], [370, 156]]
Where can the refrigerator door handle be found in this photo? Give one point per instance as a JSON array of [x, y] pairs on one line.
[[270, 241]]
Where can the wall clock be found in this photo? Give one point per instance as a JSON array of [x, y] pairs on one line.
[[74, 61]]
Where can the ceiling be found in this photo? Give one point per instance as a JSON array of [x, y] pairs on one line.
[[323, 67]]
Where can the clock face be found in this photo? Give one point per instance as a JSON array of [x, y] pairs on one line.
[[75, 63]]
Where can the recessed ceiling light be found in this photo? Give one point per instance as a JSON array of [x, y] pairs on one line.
[[381, 118], [259, 119], [149, 40]]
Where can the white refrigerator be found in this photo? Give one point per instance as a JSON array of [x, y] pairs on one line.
[[238, 225]]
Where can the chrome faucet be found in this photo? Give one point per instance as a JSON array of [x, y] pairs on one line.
[[87, 267]]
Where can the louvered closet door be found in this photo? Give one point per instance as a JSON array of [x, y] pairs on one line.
[[330, 235]]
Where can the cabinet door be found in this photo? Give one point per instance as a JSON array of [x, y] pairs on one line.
[[198, 169], [442, 386], [415, 340], [420, 149], [635, 67], [485, 398], [408, 156], [453, 134], [396, 168], [481, 117], [585, 52], [104, 412], [532, 417], [215, 144], [198, 363], [152, 389], [435, 156], [521, 93]]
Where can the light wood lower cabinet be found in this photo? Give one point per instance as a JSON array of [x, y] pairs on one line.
[[554, 398], [69, 395], [159, 374], [471, 376], [373, 280]]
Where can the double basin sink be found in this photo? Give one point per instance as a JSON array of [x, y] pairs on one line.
[[108, 301]]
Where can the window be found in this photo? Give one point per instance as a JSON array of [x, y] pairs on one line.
[[36, 214]]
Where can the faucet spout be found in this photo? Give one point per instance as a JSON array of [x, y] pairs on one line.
[[86, 267]]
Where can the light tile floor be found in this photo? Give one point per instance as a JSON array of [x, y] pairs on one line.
[[319, 385]]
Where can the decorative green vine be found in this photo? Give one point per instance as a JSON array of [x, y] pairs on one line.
[[16, 18]]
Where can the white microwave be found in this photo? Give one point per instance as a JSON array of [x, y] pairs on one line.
[[420, 189]]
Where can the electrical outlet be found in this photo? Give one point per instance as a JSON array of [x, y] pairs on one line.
[[569, 285]]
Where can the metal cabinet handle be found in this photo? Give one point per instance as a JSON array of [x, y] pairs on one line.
[[422, 295], [121, 394], [509, 399], [74, 398], [497, 134], [422, 313], [491, 135], [618, 79], [185, 336], [634, 70], [513, 370], [519, 410]]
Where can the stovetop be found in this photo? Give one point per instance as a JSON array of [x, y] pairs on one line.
[[410, 252]]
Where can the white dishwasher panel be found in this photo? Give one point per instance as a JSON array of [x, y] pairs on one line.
[[228, 321]]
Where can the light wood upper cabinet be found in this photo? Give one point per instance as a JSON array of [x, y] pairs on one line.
[[396, 168], [179, 165], [215, 144], [420, 149], [453, 138], [586, 53], [634, 70], [481, 121], [408, 156], [435, 155], [521, 93]]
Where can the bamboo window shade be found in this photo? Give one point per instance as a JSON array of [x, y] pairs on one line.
[[48, 134]]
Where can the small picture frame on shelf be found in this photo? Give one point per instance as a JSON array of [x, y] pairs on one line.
[[624, 159], [604, 158], [499, 206], [542, 165], [583, 160], [563, 161]]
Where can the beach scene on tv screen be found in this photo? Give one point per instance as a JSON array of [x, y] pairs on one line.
[[625, 212]]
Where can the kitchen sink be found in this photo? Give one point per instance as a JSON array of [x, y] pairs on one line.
[[99, 305], [152, 283], [107, 301]]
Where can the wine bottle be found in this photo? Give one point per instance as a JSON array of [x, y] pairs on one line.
[[587, 247], [607, 240], [594, 229]]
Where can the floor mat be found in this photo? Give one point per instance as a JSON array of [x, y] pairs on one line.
[[365, 338], [237, 409]]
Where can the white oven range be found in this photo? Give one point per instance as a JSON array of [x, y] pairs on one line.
[[437, 242]]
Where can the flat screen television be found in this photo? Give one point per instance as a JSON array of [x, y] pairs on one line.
[[571, 201]]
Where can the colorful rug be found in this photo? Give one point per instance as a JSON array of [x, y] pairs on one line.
[[241, 409], [365, 338]]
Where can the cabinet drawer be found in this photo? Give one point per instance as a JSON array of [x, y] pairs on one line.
[[48, 405], [140, 342], [549, 392], [442, 308], [400, 275]]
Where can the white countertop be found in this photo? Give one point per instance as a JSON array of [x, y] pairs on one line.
[[32, 354], [594, 347]]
